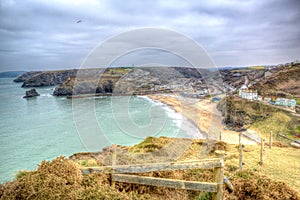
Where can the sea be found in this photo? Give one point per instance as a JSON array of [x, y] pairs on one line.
[[44, 127]]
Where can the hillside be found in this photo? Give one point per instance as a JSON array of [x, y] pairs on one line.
[[144, 80], [23, 77], [90, 81], [273, 180], [240, 113], [238, 76], [48, 78], [282, 82]]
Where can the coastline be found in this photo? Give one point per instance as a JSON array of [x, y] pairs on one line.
[[189, 126], [204, 115]]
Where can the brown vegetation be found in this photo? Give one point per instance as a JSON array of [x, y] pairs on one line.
[[283, 83], [62, 179]]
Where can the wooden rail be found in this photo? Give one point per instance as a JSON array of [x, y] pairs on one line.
[[142, 168], [123, 173], [171, 183]]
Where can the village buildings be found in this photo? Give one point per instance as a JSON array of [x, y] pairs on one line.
[[246, 93]]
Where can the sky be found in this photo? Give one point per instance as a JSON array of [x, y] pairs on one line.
[[60, 34]]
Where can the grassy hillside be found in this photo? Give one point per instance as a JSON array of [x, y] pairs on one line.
[[278, 122], [240, 113]]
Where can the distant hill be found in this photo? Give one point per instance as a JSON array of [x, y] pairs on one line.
[[282, 81], [11, 74]]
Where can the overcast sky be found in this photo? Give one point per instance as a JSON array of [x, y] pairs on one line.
[[45, 34]]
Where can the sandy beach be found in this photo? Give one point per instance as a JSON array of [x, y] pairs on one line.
[[204, 114]]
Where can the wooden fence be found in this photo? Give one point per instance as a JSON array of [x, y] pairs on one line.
[[123, 173]]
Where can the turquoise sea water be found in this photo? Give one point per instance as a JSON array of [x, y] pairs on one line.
[[44, 127]]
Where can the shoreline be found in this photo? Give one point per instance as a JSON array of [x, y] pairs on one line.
[[204, 115], [175, 104], [185, 124]]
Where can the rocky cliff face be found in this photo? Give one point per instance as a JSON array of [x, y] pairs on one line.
[[89, 85], [23, 77], [123, 82], [143, 80], [48, 78], [137, 81]]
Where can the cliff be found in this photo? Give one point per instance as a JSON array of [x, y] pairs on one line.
[[23, 77], [145, 80], [90, 85], [48, 78]]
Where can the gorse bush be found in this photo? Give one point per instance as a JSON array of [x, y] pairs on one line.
[[62, 179], [59, 179]]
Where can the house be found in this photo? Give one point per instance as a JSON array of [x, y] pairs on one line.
[[247, 93], [291, 103], [281, 102], [285, 102]]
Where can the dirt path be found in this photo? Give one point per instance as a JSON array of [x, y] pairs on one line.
[[204, 114]]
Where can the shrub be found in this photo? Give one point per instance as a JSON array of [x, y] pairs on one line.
[[59, 179]]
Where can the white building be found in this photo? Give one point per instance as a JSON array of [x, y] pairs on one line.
[[246, 93]]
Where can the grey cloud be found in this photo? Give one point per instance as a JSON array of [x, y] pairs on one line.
[[42, 34]]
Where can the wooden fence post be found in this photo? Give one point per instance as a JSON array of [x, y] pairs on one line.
[[271, 140], [114, 155], [240, 152], [113, 162], [218, 178], [261, 151]]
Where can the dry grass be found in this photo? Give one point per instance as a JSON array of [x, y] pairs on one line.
[[279, 122], [61, 179], [281, 164]]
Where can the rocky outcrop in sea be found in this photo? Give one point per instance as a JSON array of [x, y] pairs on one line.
[[31, 93]]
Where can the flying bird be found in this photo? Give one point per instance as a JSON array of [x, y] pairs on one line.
[[79, 21]]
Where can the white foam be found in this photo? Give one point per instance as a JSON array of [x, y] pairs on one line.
[[181, 122], [177, 117], [46, 95]]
